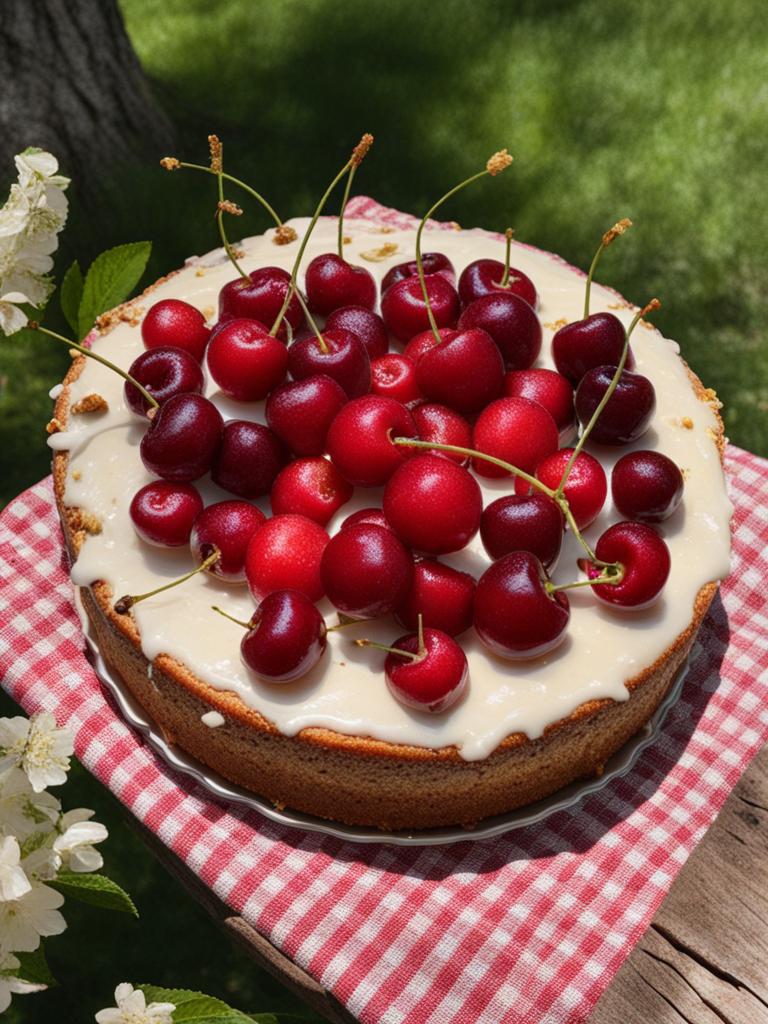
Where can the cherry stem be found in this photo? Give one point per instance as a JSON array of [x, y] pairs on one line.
[[241, 184], [618, 229], [420, 633], [312, 324], [220, 216], [33, 325], [417, 656], [613, 576], [344, 201], [504, 283], [245, 625], [122, 606]]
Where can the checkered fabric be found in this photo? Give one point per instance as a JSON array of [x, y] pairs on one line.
[[528, 928]]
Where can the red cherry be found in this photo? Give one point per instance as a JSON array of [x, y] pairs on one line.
[[226, 527], [345, 360], [443, 596], [367, 325], [464, 372], [164, 372], [301, 412], [425, 340], [436, 680], [549, 389], [394, 375], [598, 340], [286, 637], [331, 283], [523, 523], [511, 323], [359, 440], [246, 361], [647, 486], [310, 487], [586, 488], [163, 513], [433, 263], [441, 425], [644, 560], [515, 616], [405, 312], [260, 297], [515, 430], [433, 505], [628, 413], [249, 459], [366, 515], [182, 438], [284, 554], [176, 324], [366, 571], [483, 277]]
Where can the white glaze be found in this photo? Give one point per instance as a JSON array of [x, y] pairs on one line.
[[213, 719], [347, 692]]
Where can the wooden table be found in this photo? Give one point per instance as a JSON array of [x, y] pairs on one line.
[[703, 960]]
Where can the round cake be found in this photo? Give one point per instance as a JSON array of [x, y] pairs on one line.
[[335, 743]]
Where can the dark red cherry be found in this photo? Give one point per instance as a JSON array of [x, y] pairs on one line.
[[523, 523], [367, 325], [549, 389], [249, 459], [464, 372], [286, 637], [585, 489], [394, 375], [433, 263], [598, 340], [646, 486], [246, 361], [628, 413], [162, 513], [310, 487], [515, 616], [182, 438], [515, 430], [443, 596], [366, 515], [436, 680], [405, 312], [226, 527], [175, 324], [366, 571], [425, 340], [261, 298], [644, 560], [284, 554], [331, 283], [441, 425], [301, 412], [345, 359], [433, 505], [483, 277], [164, 372], [359, 440], [512, 324]]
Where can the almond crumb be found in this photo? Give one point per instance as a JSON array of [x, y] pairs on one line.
[[386, 229], [200, 272], [284, 234], [712, 434], [710, 397], [347, 240], [685, 472], [91, 403], [687, 422], [619, 305], [53, 426], [454, 225], [76, 474], [89, 522], [208, 311], [239, 253], [380, 254], [562, 322]]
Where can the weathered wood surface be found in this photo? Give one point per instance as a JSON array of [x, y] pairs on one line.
[[703, 960]]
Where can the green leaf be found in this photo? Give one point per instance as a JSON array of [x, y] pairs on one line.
[[34, 967], [70, 295], [97, 890], [110, 280], [195, 1007]]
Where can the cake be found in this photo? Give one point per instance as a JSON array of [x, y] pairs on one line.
[[335, 743]]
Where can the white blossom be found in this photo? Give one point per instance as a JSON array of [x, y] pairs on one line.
[[40, 861], [10, 984], [22, 811], [25, 920], [75, 844], [132, 1009], [13, 880], [38, 746]]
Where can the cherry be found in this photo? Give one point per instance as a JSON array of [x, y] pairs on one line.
[[627, 414], [516, 430], [367, 325], [284, 554], [366, 571], [286, 637], [394, 375], [647, 486], [598, 340], [586, 487], [443, 596], [530, 522], [331, 283], [341, 356], [246, 361], [433, 262], [260, 297], [182, 439], [359, 439], [464, 372], [643, 560], [226, 527], [442, 425], [512, 324], [249, 459], [515, 615], [405, 312], [301, 412], [425, 340], [310, 487], [435, 675], [549, 389], [366, 515], [484, 277], [162, 513], [164, 372], [433, 505], [176, 324]]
